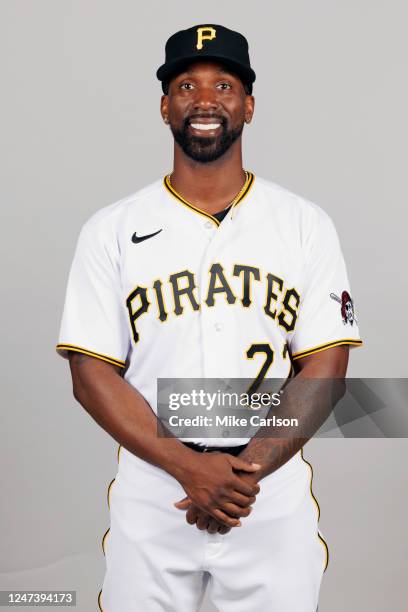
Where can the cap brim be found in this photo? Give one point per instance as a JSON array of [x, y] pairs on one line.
[[170, 69]]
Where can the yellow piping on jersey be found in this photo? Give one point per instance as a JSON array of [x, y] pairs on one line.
[[244, 191], [240, 196], [107, 531], [323, 347], [63, 349], [318, 511]]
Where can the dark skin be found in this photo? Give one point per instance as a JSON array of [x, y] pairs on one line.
[[206, 90], [220, 488], [273, 452], [212, 481]]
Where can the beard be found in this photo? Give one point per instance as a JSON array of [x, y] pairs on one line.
[[206, 149]]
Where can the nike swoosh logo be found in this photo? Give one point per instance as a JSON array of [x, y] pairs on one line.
[[136, 238]]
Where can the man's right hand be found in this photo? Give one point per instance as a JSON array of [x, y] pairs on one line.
[[211, 483]]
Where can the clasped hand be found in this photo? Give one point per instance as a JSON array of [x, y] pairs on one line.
[[220, 490]]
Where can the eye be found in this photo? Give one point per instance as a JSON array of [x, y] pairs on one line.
[[186, 86], [224, 85]]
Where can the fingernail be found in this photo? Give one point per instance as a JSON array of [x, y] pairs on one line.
[[256, 465]]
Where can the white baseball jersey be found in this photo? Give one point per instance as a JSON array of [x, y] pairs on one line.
[[167, 290]]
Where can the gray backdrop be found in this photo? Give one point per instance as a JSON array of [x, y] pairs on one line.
[[81, 129]]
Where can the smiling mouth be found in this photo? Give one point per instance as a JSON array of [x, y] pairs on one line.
[[204, 123], [205, 127]]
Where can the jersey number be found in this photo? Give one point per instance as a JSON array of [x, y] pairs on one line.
[[269, 355]]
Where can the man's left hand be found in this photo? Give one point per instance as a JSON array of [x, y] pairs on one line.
[[204, 521]]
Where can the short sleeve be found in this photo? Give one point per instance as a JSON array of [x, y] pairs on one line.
[[93, 320], [327, 315]]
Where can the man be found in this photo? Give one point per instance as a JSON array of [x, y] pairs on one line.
[[211, 273]]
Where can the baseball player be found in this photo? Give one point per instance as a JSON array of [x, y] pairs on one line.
[[211, 272]]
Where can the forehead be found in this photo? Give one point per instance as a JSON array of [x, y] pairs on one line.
[[206, 69]]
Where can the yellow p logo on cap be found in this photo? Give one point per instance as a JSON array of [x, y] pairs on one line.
[[204, 34]]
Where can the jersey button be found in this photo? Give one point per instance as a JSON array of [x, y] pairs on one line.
[[208, 225]]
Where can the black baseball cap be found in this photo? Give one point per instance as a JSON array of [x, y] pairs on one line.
[[207, 42]]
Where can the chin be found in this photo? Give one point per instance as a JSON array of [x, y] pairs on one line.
[[204, 155], [203, 149]]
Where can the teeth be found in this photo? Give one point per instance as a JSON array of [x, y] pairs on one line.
[[205, 126]]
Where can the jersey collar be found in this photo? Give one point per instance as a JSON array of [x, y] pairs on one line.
[[244, 191]]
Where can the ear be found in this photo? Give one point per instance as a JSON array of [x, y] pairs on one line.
[[249, 108], [164, 108]]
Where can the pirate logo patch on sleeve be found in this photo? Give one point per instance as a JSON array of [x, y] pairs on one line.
[[347, 307]]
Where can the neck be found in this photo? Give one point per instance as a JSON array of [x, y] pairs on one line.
[[210, 186]]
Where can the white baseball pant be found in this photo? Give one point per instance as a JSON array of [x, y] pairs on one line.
[[157, 562]]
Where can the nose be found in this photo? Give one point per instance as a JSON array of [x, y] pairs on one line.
[[206, 99]]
